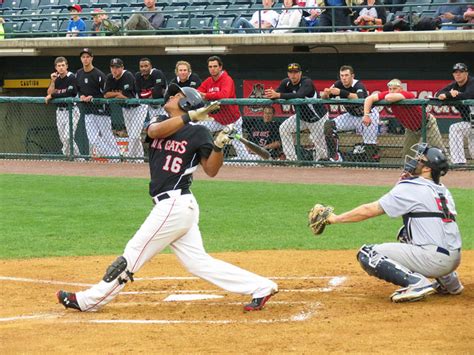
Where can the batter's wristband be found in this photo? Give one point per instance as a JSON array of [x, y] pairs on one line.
[[186, 119], [448, 95], [343, 94], [216, 148]]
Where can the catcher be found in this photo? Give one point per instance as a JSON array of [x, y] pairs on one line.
[[430, 241]]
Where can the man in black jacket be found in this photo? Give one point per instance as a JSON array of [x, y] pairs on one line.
[[312, 117]]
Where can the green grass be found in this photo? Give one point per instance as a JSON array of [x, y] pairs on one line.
[[56, 216]]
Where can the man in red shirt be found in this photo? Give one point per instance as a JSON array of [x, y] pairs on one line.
[[221, 86], [410, 117]]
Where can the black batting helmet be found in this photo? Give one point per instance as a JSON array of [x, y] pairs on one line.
[[191, 101], [434, 158]]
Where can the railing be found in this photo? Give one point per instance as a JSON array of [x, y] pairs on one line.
[[112, 130], [187, 15]]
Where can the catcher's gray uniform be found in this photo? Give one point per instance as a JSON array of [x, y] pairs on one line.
[[431, 246]]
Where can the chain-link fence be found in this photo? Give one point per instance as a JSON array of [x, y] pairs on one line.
[[299, 132]]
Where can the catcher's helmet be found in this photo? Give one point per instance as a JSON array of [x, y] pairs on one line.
[[432, 157], [191, 101]]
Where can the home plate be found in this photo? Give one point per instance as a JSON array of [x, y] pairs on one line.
[[190, 297]]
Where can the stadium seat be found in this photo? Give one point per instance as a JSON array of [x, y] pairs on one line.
[[87, 4], [63, 27], [50, 27], [203, 24], [12, 5], [11, 28], [196, 9], [53, 14], [178, 2], [29, 27], [225, 22], [64, 4], [105, 3], [238, 10], [175, 11], [44, 4], [216, 9], [12, 15], [31, 15], [249, 2], [29, 4], [177, 24]]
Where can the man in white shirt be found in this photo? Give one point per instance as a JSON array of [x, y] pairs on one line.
[[263, 20]]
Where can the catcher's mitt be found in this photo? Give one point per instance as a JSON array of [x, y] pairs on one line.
[[318, 217]]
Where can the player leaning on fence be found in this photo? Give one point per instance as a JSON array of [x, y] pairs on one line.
[[410, 117], [62, 85]]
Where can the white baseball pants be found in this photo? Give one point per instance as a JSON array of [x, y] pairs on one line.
[[62, 122], [316, 134], [215, 126], [174, 222], [348, 122], [457, 133], [102, 141]]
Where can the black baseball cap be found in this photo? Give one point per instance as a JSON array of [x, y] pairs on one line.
[[294, 67], [460, 67], [86, 50], [116, 62]]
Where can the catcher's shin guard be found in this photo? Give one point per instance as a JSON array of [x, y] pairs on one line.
[[118, 269], [383, 268], [332, 139]]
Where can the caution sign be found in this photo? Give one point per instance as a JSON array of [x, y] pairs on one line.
[[26, 83]]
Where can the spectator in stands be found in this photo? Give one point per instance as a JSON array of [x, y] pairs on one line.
[[120, 84], [221, 86], [371, 16], [265, 132], [63, 84], [462, 88], [410, 117], [312, 15], [2, 30], [101, 24], [76, 25], [312, 116], [341, 15], [469, 17], [185, 76], [265, 19], [451, 14], [152, 19], [289, 20]]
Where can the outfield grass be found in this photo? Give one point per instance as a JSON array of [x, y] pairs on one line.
[[56, 216]]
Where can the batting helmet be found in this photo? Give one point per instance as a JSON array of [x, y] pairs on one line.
[[434, 158], [191, 101]]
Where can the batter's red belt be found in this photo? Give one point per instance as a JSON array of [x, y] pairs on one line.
[[171, 193]]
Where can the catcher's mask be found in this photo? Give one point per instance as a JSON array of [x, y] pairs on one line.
[[431, 157], [191, 101]]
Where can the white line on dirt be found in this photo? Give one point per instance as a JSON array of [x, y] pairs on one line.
[[51, 282], [35, 316], [197, 278]]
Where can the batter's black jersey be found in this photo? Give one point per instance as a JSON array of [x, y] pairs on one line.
[[466, 92], [193, 81], [175, 158], [357, 88], [92, 83], [305, 89], [65, 87], [151, 87]]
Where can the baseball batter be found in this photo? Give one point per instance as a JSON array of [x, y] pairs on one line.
[[354, 119], [63, 84], [177, 147], [430, 239]]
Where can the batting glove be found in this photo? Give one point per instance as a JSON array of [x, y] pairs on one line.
[[225, 136], [202, 114]]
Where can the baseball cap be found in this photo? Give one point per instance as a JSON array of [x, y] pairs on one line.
[[460, 67], [76, 7], [97, 12], [294, 67], [116, 62], [86, 50], [394, 82]]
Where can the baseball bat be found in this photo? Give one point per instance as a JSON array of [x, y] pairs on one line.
[[262, 152]]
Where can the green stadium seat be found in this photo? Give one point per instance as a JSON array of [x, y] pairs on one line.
[[200, 2], [12, 15], [65, 4], [87, 3], [105, 3], [203, 24], [176, 23], [216, 9], [196, 9], [11, 29], [44, 4], [13, 5], [175, 11], [239, 10], [178, 2], [30, 4], [225, 22], [49, 26], [28, 27]]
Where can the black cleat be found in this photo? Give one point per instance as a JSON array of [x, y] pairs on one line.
[[68, 299], [257, 303]]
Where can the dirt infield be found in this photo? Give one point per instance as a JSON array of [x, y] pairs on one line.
[[326, 303]]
